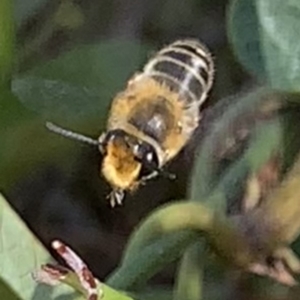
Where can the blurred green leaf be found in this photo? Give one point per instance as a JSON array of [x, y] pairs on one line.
[[24, 9], [57, 100], [137, 267], [12, 115], [158, 241], [154, 293], [21, 254], [27, 147], [12, 112], [25, 142], [191, 272], [81, 82], [111, 294], [243, 31], [7, 293], [264, 37], [106, 66]]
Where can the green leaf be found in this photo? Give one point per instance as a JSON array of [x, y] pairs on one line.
[[57, 100], [82, 82], [158, 241], [21, 254], [12, 115], [18, 156], [105, 66], [191, 273], [6, 292], [154, 293], [138, 267], [17, 127], [27, 147], [264, 37], [111, 294], [12, 112]]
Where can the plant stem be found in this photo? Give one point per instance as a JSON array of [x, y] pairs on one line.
[[190, 275], [167, 219]]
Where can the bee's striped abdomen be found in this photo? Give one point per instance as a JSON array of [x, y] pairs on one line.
[[186, 67]]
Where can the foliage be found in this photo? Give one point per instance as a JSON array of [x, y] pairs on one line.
[[247, 214], [264, 45]]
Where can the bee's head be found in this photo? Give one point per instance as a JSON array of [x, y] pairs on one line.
[[126, 159]]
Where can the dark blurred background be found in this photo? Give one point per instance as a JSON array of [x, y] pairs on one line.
[[54, 183]]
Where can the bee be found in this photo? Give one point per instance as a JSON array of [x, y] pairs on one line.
[[154, 117]]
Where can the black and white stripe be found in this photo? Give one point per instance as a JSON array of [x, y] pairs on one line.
[[186, 67]]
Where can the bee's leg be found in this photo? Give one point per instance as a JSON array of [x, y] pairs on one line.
[[119, 195], [116, 197], [166, 174], [150, 176], [157, 173]]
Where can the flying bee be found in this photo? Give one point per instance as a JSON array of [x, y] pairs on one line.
[[154, 117]]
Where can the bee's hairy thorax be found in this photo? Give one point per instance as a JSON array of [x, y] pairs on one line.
[[155, 114]]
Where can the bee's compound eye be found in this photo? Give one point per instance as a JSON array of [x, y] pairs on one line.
[[136, 150], [149, 156]]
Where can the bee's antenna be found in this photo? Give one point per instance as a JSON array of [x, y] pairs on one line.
[[71, 135]]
